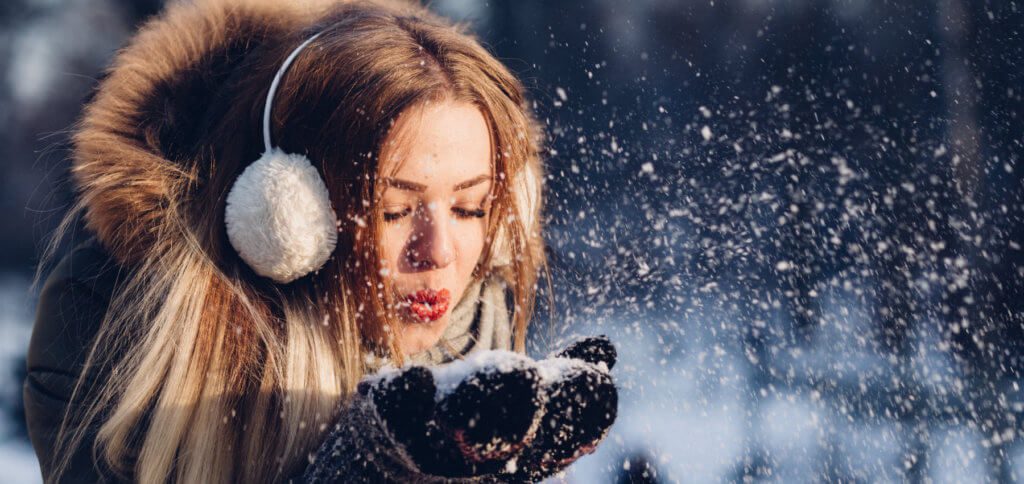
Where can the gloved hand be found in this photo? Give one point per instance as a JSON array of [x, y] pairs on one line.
[[581, 405], [495, 416], [460, 422], [467, 418]]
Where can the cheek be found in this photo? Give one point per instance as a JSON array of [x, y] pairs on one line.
[[393, 239], [470, 237]]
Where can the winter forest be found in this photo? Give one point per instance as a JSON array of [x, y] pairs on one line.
[[800, 221]]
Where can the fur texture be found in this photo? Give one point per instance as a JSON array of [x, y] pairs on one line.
[[279, 217], [127, 166]]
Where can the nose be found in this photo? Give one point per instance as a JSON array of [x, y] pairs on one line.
[[432, 245]]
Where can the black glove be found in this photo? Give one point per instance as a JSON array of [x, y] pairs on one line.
[[488, 411], [494, 417], [467, 419], [582, 403]]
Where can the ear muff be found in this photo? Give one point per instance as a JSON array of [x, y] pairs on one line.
[[278, 215]]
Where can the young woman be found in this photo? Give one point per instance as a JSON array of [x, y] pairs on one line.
[[283, 198]]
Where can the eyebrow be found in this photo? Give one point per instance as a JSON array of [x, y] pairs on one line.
[[418, 187]]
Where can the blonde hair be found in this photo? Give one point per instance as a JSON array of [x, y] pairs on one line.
[[216, 374]]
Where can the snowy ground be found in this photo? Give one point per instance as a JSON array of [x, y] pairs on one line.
[[700, 426], [705, 411]]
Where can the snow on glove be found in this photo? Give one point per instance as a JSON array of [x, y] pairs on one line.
[[582, 403], [488, 411], [461, 422]]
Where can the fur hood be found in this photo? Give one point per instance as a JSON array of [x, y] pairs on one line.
[[124, 170], [128, 168]]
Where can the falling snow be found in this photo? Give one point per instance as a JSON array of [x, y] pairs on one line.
[[800, 222], [804, 231]]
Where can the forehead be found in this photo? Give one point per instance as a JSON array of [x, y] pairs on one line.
[[442, 142]]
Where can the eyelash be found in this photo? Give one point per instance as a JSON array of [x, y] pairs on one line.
[[459, 212]]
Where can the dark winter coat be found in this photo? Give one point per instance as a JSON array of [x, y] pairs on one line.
[[72, 303]]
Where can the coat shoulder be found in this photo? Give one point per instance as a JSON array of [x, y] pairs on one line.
[[88, 265], [72, 304]]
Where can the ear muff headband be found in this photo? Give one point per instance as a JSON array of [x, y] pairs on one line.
[[269, 103], [278, 214]]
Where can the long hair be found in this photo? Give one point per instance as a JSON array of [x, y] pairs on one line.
[[217, 374]]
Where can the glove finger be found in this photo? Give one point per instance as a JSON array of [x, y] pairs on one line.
[[492, 414], [594, 349], [579, 411], [406, 402]]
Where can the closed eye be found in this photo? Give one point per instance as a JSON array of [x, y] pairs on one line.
[[394, 216], [462, 213], [469, 213]]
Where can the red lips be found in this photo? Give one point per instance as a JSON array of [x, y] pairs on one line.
[[428, 304]]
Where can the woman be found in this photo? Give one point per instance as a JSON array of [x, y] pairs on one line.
[[220, 318]]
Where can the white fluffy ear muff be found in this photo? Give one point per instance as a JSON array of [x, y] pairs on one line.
[[278, 215]]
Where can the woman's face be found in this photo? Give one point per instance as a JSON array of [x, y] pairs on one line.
[[436, 208]]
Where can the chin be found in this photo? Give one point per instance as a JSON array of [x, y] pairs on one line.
[[419, 335]]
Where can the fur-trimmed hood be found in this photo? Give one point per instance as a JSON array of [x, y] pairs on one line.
[[129, 168], [124, 170]]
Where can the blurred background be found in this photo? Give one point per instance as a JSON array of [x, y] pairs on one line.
[[800, 220]]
